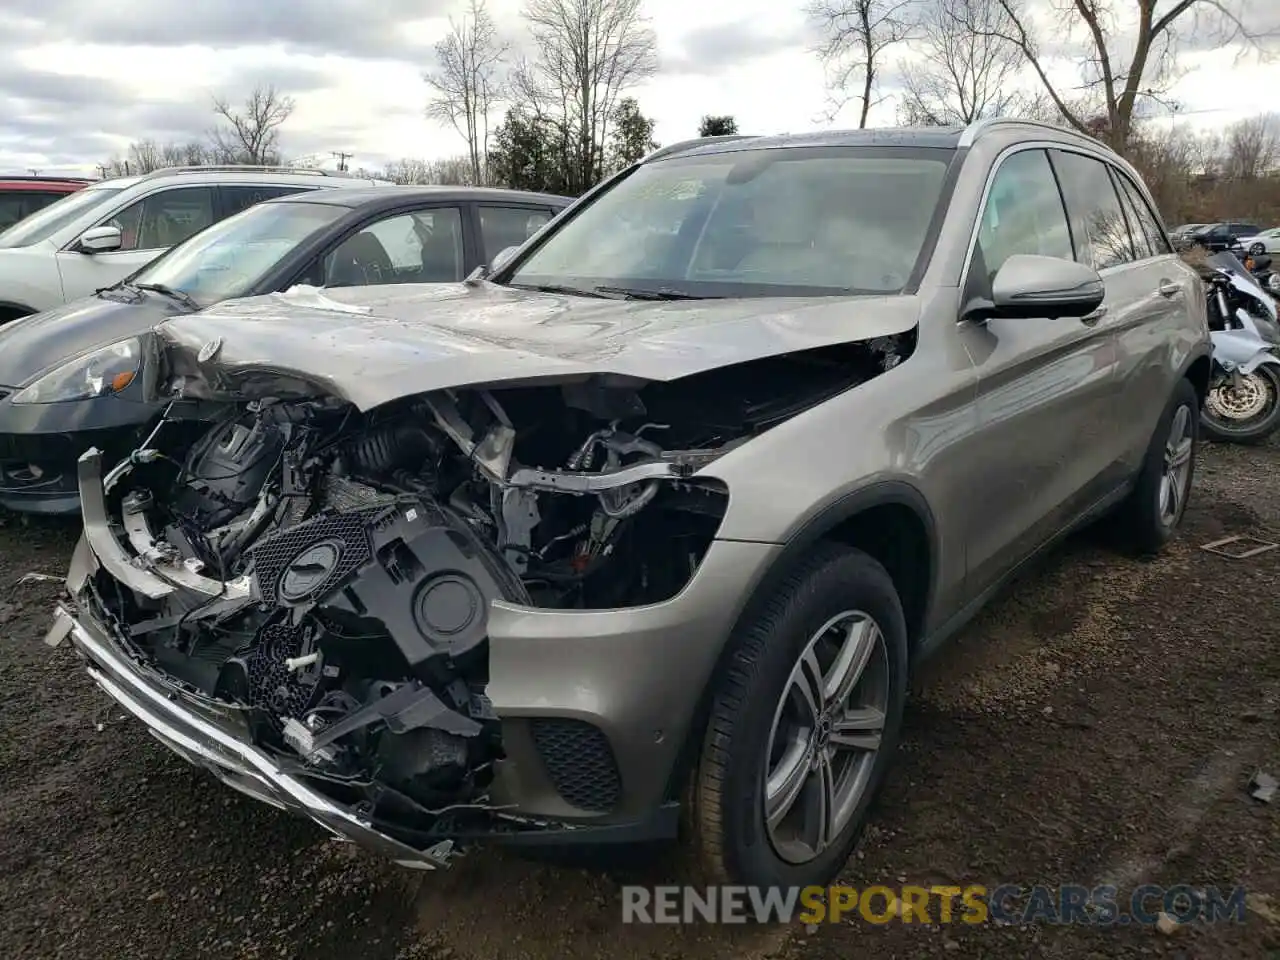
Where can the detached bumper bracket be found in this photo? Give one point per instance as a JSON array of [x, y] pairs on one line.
[[236, 763]]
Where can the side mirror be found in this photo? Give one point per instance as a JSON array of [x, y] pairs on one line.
[[100, 240], [1030, 286], [501, 258]]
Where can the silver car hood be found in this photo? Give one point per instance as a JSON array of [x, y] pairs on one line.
[[373, 345]]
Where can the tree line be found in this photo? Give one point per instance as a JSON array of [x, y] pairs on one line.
[[558, 112]]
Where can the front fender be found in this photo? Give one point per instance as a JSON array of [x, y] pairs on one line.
[[1232, 349], [1261, 358]]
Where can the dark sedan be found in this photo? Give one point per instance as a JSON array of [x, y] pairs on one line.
[[72, 377]]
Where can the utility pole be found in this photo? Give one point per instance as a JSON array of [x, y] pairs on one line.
[[34, 172], [342, 159]]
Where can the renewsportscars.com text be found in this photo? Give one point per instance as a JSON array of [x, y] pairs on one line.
[[973, 904]]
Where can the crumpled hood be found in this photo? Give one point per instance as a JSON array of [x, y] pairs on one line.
[[372, 345], [34, 345]]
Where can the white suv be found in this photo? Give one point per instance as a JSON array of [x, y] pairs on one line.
[[101, 234]]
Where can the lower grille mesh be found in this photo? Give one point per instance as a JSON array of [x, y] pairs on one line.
[[579, 762], [348, 531]]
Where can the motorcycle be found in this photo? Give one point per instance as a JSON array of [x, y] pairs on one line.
[[1260, 266], [1243, 403]]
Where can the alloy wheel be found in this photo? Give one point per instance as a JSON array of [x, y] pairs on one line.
[[1176, 476], [826, 734]]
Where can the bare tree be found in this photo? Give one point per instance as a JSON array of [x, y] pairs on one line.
[[589, 53], [1122, 68], [145, 156], [1252, 147], [856, 37], [965, 66], [251, 134], [452, 170], [467, 81]]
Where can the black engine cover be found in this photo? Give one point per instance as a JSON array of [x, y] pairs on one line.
[[413, 572], [226, 470]]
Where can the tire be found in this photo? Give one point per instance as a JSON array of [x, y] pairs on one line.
[[1144, 522], [731, 838], [1257, 249], [1257, 429]]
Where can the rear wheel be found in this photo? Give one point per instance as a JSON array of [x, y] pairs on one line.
[[1152, 512], [1247, 412], [804, 722]]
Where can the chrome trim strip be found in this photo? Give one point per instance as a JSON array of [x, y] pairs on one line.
[[176, 573], [97, 530], [235, 762]]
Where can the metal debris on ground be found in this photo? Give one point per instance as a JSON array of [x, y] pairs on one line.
[[1263, 787], [39, 578], [1242, 546]]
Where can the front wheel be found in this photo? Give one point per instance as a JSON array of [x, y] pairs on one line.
[[1257, 249], [805, 717], [1248, 412]]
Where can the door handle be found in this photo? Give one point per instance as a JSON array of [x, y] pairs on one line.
[[1169, 289]]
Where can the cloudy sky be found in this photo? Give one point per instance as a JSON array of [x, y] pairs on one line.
[[80, 79]]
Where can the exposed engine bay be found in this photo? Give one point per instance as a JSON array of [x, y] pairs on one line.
[[356, 554]]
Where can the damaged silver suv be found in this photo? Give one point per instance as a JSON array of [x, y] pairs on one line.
[[659, 515]]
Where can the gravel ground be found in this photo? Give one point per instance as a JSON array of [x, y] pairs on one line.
[[1099, 723]]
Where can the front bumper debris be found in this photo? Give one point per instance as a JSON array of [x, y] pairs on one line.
[[206, 743], [630, 677]]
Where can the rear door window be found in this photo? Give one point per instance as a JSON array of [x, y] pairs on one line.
[[502, 227], [21, 204], [237, 198], [1143, 216]]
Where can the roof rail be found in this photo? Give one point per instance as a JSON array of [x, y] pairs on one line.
[[243, 168], [684, 145], [979, 127]]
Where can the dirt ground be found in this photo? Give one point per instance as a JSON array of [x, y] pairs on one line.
[[1098, 724]]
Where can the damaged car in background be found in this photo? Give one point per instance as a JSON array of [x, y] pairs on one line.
[[647, 518]]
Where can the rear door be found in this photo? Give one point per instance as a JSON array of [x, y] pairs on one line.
[[1046, 387], [1162, 284]]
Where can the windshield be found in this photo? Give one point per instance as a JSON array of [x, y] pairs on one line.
[[796, 221], [43, 224], [227, 259]]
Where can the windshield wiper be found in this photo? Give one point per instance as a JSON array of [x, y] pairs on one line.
[[663, 294], [183, 298], [598, 293]]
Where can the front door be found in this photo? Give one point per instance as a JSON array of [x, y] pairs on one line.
[[1046, 387], [148, 227]]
